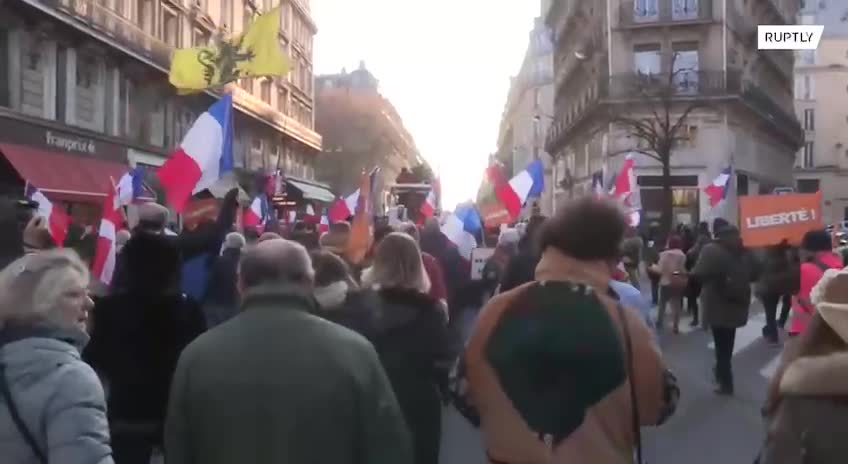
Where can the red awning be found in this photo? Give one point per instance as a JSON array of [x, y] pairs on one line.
[[64, 177]]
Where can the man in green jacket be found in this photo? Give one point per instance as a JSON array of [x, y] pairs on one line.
[[276, 384]]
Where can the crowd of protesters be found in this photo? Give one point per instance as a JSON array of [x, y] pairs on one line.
[[303, 355]]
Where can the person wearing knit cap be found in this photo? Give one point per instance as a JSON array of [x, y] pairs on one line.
[[152, 217], [806, 403], [268, 236]]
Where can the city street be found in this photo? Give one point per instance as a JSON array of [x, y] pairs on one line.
[[706, 428]]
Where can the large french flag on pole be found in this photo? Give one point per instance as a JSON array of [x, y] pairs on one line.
[[205, 155], [717, 190], [528, 183], [57, 220], [105, 255]]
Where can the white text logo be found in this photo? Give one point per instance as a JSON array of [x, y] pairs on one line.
[[789, 37], [779, 219]]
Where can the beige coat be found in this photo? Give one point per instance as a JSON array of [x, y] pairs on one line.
[[606, 434]]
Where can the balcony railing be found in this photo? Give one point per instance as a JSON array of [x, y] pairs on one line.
[[662, 12], [688, 85], [122, 30], [678, 85]]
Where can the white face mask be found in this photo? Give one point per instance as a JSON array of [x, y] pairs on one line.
[[331, 296]]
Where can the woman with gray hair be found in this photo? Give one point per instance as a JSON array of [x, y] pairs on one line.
[[411, 337], [53, 406]]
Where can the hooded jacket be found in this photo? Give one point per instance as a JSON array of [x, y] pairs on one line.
[[139, 333], [605, 434], [58, 396]]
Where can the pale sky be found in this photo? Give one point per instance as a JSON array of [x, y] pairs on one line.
[[444, 64]]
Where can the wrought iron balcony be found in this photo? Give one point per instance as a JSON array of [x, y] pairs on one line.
[[637, 88], [664, 12], [678, 85]]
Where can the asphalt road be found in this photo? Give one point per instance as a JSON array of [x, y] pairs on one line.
[[706, 428]]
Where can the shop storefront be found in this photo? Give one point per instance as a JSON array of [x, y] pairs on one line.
[[72, 170], [685, 196], [293, 196]]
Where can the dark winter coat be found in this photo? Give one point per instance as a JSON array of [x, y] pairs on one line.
[[416, 349], [205, 239], [276, 384], [222, 297], [139, 333], [457, 272], [715, 263], [521, 267], [779, 275]]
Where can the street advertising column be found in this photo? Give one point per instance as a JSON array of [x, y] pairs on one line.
[[769, 219]]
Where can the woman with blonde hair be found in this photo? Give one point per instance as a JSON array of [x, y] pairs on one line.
[[411, 337], [53, 406]]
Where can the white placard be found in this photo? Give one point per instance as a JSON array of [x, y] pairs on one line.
[[479, 257]]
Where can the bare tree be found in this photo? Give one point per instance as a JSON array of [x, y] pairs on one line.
[[653, 110]]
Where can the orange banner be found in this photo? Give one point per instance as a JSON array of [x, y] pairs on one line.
[[769, 219]]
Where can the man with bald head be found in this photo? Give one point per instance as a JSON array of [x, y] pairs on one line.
[[277, 384]]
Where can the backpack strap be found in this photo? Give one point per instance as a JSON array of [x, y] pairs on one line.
[[16, 417], [819, 264], [631, 374]]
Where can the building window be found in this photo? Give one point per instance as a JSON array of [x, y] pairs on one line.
[[247, 16], [282, 100], [808, 156], [647, 59], [807, 57], [144, 15], [808, 88], [807, 185], [199, 37], [265, 90], [685, 67], [226, 13], [246, 84], [645, 10], [809, 119], [170, 27]]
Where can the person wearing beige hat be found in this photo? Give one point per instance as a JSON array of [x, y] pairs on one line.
[[807, 403]]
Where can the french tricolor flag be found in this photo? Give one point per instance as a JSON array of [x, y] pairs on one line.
[[324, 225], [461, 228], [717, 190], [103, 265], [57, 220], [528, 183], [205, 155], [130, 187], [428, 208], [309, 215], [344, 208], [253, 216]]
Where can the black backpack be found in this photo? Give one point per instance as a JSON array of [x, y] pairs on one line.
[[735, 286]]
